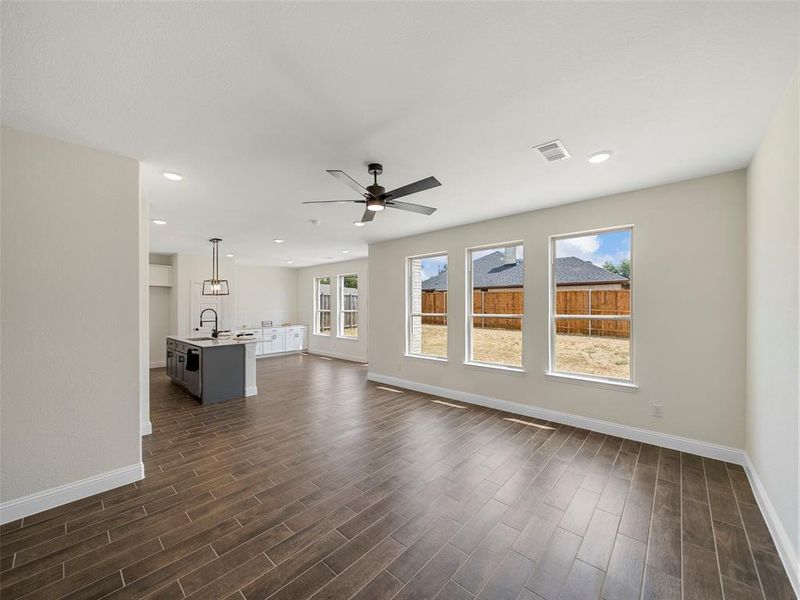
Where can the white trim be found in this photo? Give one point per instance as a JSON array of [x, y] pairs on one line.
[[251, 391], [157, 364], [442, 359], [146, 428], [790, 559], [675, 442], [613, 384], [495, 367], [339, 355], [552, 291], [69, 492]]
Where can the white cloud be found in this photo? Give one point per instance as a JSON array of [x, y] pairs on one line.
[[581, 247]]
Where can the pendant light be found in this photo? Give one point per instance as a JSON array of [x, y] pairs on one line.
[[215, 286]]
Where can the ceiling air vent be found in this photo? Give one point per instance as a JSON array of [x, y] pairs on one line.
[[553, 151]]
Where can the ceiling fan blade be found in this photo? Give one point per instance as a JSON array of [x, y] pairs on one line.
[[412, 188], [417, 208], [348, 181], [368, 216], [331, 201]]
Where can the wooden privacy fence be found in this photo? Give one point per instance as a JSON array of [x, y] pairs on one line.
[[568, 302], [594, 302], [349, 303]]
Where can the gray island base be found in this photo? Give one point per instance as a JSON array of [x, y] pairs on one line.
[[212, 370]]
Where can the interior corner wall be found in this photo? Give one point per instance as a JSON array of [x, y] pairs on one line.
[[332, 345], [689, 307], [70, 337], [773, 265], [264, 294]]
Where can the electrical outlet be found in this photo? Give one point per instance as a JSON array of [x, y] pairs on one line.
[[658, 410]]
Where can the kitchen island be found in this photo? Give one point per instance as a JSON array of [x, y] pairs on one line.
[[211, 369]]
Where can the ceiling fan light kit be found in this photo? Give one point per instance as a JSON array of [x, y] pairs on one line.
[[375, 196]]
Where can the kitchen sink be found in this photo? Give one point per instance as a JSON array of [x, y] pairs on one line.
[[200, 339]]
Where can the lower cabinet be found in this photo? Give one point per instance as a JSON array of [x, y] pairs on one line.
[[275, 340], [296, 339]]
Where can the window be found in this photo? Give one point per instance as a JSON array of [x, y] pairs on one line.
[[427, 306], [590, 305], [494, 320], [348, 306], [322, 305]]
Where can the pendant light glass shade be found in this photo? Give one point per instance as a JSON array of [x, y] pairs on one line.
[[215, 286]]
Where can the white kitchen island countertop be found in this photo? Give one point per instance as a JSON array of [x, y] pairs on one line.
[[213, 343]]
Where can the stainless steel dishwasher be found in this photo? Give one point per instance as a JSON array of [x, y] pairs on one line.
[[191, 371]]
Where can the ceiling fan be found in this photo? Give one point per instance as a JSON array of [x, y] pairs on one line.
[[377, 198]]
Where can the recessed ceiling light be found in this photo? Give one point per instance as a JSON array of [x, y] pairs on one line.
[[278, 241], [345, 251], [172, 176], [358, 223], [598, 157], [159, 222], [229, 255], [289, 262]]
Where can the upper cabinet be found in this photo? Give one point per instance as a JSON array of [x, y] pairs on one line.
[[160, 275]]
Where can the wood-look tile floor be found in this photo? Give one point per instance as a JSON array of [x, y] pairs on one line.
[[327, 486]]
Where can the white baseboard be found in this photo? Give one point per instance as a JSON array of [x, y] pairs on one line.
[[675, 442], [791, 561], [339, 355], [146, 428], [69, 492], [157, 364], [251, 391]]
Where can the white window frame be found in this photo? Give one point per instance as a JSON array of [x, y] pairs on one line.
[[340, 310], [409, 303], [468, 360], [556, 375], [317, 310]]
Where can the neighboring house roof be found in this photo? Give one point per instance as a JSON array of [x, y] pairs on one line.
[[573, 271], [490, 271]]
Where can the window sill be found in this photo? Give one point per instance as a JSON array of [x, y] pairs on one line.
[[325, 335], [441, 359], [501, 368], [623, 386], [344, 337]]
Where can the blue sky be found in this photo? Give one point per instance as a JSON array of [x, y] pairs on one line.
[[431, 266], [614, 246]]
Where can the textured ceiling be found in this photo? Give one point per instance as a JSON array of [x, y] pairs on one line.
[[253, 101]]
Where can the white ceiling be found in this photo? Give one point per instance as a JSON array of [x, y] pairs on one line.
[[251, 102]]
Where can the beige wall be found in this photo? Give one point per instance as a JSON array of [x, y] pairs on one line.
[[772, 316], [264, 293], [689, 306], [70, 314], [348, 349], [257, 293]]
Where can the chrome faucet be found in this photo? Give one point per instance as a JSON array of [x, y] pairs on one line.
[[215, 331]]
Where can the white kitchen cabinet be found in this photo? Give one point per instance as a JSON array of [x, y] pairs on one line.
[[296, 339], [277, 340], [274, 339], [160, 276]]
